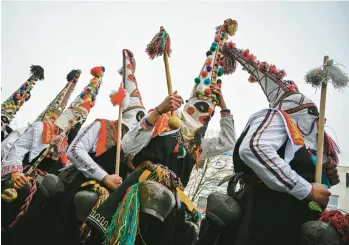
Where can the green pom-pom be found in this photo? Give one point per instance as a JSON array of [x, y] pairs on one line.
[[219, 81], [197, 80], [213, 48], [219, 73], [198, 93]]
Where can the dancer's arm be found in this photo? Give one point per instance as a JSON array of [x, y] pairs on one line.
[[266, 134], [224, 142]]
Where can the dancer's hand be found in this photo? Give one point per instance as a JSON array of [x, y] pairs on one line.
[[112, 182], [330, 168], [218, 92], [19, 179], [171, 103], [320, 194]]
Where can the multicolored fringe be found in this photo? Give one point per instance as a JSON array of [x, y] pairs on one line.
[[124, 225], [103, 195], [194, 217], [27, 202], [160, 44]]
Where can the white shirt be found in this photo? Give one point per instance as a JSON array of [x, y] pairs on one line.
[[267, 133], [30, 141], [138, 137], [78, 152], [8, 143]]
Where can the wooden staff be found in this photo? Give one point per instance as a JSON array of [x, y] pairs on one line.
[[320, 139], [160, 45], [118, 143]]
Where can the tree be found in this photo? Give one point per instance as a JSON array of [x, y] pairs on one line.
[[205, 180]]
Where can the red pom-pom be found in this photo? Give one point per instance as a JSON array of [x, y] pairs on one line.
[[217, 39], [251, 79], [190, 110], [263, 66], [281, 74], [204, 73], [207, 91], [251, 57], [97, 71], [246, 53], [273, 69], [117, 98], [221, 62], [231, 45], [291, 87], [208, 62]]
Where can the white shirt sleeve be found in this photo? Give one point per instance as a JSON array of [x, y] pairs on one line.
[[225, 142], [80, 147], [267, 133], [13, 162], [137, 138]]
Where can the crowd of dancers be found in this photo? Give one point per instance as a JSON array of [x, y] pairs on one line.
[[61, 183]]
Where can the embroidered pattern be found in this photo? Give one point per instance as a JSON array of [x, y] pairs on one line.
[[99, 220], [226, 114], [49, 132], [295, 133], [11, 169]]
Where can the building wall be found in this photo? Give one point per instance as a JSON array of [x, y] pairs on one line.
[[342, 190]]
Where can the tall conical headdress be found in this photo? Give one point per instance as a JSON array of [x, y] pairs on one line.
[[132, 106], [81, 106], [199, 108], [281, 94], [10, 107], [134, 109], [56, 107]]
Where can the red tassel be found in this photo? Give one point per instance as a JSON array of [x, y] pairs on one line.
[[118, 97], [273, 69], [246, 53]]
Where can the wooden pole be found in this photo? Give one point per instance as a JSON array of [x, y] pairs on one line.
[[320, 140], [168, 77], [118, 143]]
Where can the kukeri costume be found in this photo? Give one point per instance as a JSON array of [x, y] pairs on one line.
[[11, 106], [93, 156], [152, 197], [54, 135], [274, 164]]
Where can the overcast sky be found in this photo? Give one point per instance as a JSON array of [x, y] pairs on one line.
[[80, 35]]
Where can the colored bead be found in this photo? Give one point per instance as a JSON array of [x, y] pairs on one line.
[[197, 80], [221, 62], [207, 91], [208, 53], [204, 73], [214, 44], [219, 81], [209, 68], [207, 81], [220, 72], [216, 38], [213, 48], [208, 62]]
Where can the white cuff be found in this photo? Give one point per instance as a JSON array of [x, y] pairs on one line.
[[99, 174], [302, 189]]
